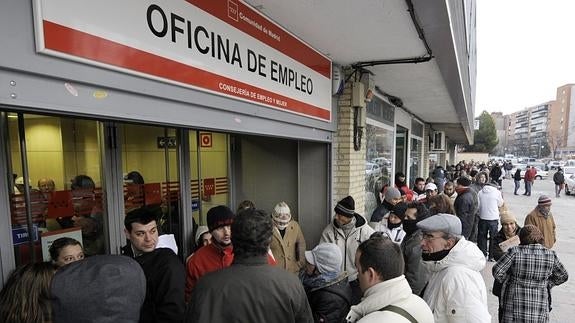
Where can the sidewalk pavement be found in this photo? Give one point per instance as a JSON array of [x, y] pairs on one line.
[[563, 212]]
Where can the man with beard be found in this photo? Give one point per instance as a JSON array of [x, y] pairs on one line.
[[218, 254], [449, 191], [456, 291]]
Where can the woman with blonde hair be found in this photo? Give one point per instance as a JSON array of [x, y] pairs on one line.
[[288, 243], [26, 296]]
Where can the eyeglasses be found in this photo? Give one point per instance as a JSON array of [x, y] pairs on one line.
[[430, 237]]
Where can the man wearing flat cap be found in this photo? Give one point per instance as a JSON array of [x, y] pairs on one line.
[[456, 291], [347, 230]]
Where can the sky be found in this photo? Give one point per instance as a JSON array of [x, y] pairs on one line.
[[525, 50]]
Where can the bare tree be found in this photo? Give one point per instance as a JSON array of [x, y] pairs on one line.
[[555, 142]]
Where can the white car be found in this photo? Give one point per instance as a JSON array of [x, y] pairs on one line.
[[372, 169], [569, 174]]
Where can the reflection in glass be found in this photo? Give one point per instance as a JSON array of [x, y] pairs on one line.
[[379, 146]]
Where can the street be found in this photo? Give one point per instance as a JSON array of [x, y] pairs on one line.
[[520, 206]]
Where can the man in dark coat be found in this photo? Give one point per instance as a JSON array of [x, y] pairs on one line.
[[467, 208], [250, 290], [165, 274], [411, 247], [559, 180], [326, 286], [101, 288]]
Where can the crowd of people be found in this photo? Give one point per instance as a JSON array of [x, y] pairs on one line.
[[417, 258]]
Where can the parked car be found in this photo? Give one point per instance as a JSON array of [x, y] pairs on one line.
[[543, 166], [371, 169], [569, 174], [554, 164]]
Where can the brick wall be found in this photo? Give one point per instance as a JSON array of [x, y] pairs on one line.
[[348, 164]]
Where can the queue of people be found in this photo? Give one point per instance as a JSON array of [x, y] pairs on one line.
[[418, 258]]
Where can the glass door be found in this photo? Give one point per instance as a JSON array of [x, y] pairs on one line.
[[55, 187], [150, 174]]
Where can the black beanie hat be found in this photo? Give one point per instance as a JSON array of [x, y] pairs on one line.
[[346, 207], [219, 216]]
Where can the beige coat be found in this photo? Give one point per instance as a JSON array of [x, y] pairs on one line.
[[547, 226], [289, 250]]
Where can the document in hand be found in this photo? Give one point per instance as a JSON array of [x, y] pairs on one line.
[[511, 242]]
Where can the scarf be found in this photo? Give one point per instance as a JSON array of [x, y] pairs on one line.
[[409, 226], [315, 281], [392, 225], [461, 190], [544, 211], [434, 256], [348, 227]]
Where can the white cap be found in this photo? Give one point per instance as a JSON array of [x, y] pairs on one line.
[[430, 186]]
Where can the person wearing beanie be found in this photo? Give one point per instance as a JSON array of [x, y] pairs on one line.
[[454, 265], [526, 291], [411, 246], [393, 228], [542, 218], [509, 230], [378, 220], [288, 243], [219, 253], [466, 207], [387, 296], [203, 237], [347, 230], [250, 290], [164, 271], [326, 286]]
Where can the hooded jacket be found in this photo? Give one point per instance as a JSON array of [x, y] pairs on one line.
[[347, 244], [101, 289], [395, 292], [456, 291], [490, 200]]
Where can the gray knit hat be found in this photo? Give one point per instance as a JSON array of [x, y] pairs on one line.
[[392, 193]]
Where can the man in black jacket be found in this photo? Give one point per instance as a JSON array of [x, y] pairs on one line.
[[165, 274], [559, 180], [250, 290], [326, 286], [467, 208]]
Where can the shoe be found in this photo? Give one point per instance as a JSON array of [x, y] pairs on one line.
[[515, 194]]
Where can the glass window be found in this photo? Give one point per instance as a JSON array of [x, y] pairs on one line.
[[209, 169], [62, 160], [415, 162], [378, 163], [151, 179]]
